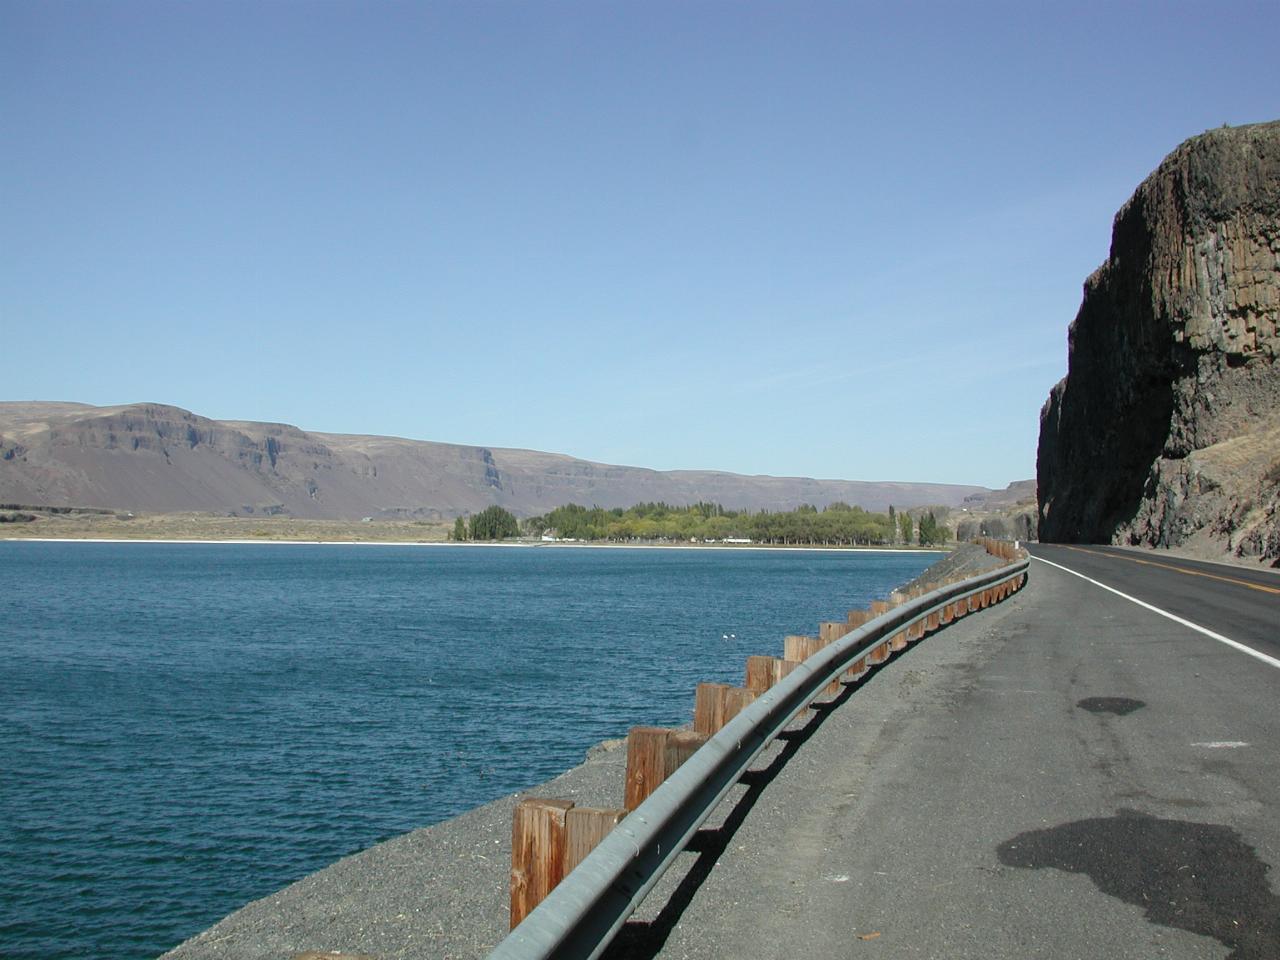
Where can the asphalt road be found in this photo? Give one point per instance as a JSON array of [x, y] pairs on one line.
[[1068, 774], [1237, 602]]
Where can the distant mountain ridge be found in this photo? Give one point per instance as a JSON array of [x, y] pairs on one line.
[[155, 458]]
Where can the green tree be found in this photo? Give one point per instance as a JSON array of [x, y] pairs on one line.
[[905, 527], [931, 532], [460, 530], [494, 523]]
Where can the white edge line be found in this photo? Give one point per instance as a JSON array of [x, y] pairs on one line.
[[1222, 744], [1258, 654]]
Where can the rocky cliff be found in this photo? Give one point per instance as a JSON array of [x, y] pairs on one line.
[[1166, 429], [154, 458]]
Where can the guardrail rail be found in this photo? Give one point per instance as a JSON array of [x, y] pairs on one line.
[[581, 914]]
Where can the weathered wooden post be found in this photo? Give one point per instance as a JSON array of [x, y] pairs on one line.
[[537, 852], [585, 827], [856, 669], [858, 617], [763, 672], [798, 649], [760, 672], [715, 704], [646, 763], [681, 745], [830, 631], [653, 754]]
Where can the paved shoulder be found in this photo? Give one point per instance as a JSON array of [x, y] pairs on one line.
[[1064, 775]]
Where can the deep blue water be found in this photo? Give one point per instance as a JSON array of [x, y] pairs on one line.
[[187, 727]]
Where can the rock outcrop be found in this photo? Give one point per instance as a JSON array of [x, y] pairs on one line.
[[1166, 430]]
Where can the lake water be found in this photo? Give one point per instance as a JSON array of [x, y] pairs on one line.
[[188, 727]]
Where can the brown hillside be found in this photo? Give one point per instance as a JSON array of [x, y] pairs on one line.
[[153, 458]]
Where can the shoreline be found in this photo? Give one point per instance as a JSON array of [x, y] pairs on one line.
[[443, 885], [944, 548]]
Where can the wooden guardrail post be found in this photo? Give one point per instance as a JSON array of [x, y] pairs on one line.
[[537, 852], [715, 704], [764, 671], [681, 745], [829, 631], [548, 839], [855, 619], [798, 649], [584, 827], [760, 672], [653, 754], [646, 763]]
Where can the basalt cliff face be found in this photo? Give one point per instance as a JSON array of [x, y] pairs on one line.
[[1166, 429]]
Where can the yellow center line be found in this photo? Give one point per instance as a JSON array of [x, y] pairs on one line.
[[1186, 570]]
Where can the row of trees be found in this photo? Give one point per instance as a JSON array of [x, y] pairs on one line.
[[926, 531], [839, 524], [491, 523]]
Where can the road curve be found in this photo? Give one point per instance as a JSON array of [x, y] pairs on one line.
[[1067, 774]]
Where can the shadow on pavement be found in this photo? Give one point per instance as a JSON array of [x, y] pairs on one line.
[[1200, 877], [1120, 706]]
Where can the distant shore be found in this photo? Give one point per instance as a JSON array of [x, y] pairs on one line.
[[528, 544]]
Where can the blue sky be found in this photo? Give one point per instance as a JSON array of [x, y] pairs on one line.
[[823, 239]]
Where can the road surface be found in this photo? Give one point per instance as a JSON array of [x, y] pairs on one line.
[[1236, 602]]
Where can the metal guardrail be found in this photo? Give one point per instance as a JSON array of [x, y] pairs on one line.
[[580, 917]]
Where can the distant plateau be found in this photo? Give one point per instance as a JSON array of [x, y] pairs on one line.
[[155, 458]]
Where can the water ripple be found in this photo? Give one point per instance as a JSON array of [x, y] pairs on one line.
[[185, 728]]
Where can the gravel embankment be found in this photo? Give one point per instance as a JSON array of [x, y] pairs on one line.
[[967, 560], [439, 891]]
